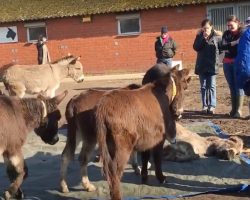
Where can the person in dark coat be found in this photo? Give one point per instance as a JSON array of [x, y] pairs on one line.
[[43, 56], [229, 44], [206, 46], [165, 47], [242, 62]]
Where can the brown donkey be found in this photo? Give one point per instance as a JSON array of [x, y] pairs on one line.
[[18, 118], [81, 127], [140, 119]]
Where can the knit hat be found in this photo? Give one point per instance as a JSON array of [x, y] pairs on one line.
[[164, 29]]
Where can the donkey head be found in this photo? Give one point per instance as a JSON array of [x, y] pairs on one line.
[[180, 80], [75, 70], [48, 129]]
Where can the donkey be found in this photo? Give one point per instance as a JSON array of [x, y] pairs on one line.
[[18, 118], [81, 127], [34, 79], [191, 146], [139, 119]]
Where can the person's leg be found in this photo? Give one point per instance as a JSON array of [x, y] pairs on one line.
[[229, 75], [211, 87], [239, 97], [203, 93]]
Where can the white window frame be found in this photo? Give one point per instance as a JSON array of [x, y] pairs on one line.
[[128, 16], [34, 25]]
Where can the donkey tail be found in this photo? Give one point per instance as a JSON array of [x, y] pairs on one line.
[[71, 130], [106, 143]]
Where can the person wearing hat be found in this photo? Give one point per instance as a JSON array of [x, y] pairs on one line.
[[165, 47], [243, 61], [43, 56]]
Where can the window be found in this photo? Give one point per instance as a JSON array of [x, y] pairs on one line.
[[219, 13], [34, 30], [129, 24]]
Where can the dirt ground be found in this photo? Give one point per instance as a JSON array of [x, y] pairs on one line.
[[192, 113]]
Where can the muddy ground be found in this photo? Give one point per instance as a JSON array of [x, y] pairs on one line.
[[192, 113]]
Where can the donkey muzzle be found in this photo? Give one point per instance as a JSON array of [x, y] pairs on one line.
[[173, 141], [54, 140]]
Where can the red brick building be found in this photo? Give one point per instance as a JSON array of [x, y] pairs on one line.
[[111, 36]]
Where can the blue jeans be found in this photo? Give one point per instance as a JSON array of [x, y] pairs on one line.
[[208, 90], [167, 61], [230, 75]]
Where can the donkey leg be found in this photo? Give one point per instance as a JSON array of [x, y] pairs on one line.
[[145, 156], [135, 165], [67, 156], [68, 153], [16, 170], [120, 160], [157, 155], [84, 157]]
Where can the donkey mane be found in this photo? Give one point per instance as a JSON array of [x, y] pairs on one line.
[[63, 59], [30, 105]]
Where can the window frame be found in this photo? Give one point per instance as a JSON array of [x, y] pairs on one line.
[[128, 16], [35, 25]]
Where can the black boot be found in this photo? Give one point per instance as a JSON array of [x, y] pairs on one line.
[[233, 104], [239, 106]]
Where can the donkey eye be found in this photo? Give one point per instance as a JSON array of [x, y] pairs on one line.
[[78, 68]]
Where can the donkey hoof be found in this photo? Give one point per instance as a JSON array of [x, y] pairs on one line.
[[91, 188], [7, 195], [163, 180], [137, 170], [65, 189]]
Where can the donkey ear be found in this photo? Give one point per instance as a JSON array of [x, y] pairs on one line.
[[185, 72], [189, 79], [73, 61], [60, 97], [78, 58], [175, 68]]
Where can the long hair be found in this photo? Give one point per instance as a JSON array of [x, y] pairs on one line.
[[206, 21], [233, 18]]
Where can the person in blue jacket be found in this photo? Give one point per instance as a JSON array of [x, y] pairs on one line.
[[243, 61]]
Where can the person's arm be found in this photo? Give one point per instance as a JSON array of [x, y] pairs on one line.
[[174, 46], [225, 45], [157, 46], [199, 42]]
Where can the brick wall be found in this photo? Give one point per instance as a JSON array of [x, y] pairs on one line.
[[101, 49]]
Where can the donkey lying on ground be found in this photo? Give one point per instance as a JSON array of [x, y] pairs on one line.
[[34, 79], [18, 118], [81, 127], [139, 119], [190, 146]]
